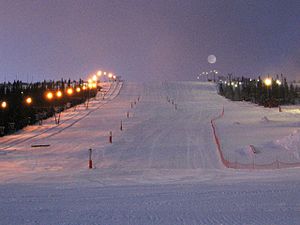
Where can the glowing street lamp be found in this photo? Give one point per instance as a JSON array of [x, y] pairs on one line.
[[268, 82], [95, 78], [49, 95], [278, 82], [3, 104], [69, 91], [59, 94], [90, 85], [84, 88], [94, 85], [99, 73], [78, 89], [110, 75], [28, 100]]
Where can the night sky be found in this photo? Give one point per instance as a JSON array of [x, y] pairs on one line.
[[148, 40]]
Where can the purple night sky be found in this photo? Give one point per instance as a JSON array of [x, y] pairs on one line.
[[148, 40]]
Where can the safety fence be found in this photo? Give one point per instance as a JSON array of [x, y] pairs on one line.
[[253, 165]]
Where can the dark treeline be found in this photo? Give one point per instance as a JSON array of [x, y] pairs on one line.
[[16, 112], [268, 92]]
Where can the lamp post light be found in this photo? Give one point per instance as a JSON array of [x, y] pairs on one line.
[[95, 78], [278, 82], [28, 100], [59, 94], [214, 73], [50, 97], [4, 105], [110, 76], [70, 91], [78, 89], [268, 83], [90, 86]]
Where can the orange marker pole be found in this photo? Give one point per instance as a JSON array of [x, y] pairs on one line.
[[90, 159]]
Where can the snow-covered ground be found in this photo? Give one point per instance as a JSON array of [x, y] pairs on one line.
[[162, 168], [274, 135]]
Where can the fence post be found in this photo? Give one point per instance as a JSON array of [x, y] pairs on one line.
[[110, 137], [90, 159], [121, 126], [127, 114]]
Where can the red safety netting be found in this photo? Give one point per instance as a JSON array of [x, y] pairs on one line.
[[236, 165]]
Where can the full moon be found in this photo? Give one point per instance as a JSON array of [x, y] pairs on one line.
[[211, 59]]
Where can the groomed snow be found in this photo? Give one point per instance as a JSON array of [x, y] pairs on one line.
[[163, 168]]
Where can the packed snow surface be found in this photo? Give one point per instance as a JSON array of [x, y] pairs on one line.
[[161, 168]]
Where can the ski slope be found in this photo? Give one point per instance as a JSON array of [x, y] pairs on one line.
[[163, 167]]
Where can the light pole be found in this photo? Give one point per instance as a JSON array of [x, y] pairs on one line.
[[50, 97], [3, 106], [268, 83], [215, 72]]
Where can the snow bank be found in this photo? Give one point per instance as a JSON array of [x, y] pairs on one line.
[[290, 142]]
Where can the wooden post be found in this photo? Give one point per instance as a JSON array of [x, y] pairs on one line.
[[110, 137], [121, 126], [90, 159]]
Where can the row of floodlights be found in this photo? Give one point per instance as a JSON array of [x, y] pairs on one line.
[[99, 73], [267, 82], [92, 83], [50, 95]]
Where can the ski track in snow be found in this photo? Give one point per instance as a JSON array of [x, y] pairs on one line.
[[163, 168]]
